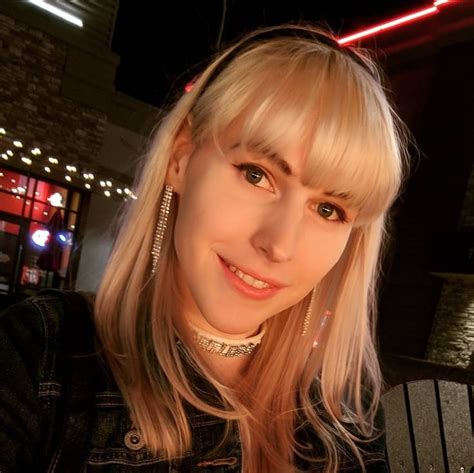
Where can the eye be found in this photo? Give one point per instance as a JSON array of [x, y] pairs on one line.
[[327, 209], [254, 175]]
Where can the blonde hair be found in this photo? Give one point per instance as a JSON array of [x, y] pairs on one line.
[[288, 86]]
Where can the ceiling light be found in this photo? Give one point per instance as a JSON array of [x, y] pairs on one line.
[[58, 12]]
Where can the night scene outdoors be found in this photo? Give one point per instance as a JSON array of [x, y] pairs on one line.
[[84, 88]]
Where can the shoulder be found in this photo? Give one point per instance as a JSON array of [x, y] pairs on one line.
[[371, 447], [35, 328]]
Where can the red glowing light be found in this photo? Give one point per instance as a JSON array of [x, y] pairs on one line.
[[388, 25]]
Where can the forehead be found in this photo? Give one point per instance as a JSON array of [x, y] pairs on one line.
[[288, 156]]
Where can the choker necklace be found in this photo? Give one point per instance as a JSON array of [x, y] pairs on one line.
[[227, 346]]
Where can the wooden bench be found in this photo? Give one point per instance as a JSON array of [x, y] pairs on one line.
[[429, 427]]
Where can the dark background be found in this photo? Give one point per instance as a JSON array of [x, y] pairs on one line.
[[160, 42]]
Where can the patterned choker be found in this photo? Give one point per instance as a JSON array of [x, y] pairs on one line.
[[227, 346]]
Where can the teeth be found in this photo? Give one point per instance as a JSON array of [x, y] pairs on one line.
[[248, 279]]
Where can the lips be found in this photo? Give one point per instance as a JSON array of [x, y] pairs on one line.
[[270, 281]]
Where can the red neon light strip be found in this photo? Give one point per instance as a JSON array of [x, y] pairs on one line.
[[393, 23]]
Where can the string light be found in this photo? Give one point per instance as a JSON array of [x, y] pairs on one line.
[[86, 174]]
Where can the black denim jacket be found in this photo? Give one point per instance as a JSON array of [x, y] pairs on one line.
[[61, 411]]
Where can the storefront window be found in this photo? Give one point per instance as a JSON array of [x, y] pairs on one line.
[[11, 203], [9, 235], [38, 231]]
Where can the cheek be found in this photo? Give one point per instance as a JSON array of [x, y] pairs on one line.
[[207, 212], [318, 259]]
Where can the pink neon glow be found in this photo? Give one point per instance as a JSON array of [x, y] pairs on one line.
[[393, 23]]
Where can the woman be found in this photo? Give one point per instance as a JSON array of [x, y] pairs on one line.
[[235, 319]]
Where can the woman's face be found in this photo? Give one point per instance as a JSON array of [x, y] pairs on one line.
[[245, 210]]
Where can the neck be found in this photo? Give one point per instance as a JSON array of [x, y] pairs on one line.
[[227, 367], [225, 346]]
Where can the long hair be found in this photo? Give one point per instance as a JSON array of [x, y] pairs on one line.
[[281, 86]]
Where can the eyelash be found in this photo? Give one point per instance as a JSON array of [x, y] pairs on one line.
[[248, 166]]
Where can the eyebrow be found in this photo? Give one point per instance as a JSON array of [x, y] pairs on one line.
[[274, 158]]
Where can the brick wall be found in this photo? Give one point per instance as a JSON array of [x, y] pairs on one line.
[[452, 335], [31, 71]]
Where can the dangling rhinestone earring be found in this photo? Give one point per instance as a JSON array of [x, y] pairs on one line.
[[161, 227], [324, 321], [309, 310]]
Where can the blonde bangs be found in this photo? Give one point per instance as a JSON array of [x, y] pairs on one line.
[[325, 102]]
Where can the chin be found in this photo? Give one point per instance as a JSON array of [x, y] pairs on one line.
[[232, 327]]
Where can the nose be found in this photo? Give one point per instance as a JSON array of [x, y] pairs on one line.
[[278, 233]]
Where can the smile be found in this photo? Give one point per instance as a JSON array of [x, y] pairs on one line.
[[251, 281], [247, 285]]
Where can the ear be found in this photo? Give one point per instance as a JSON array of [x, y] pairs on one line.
[[182, 150]]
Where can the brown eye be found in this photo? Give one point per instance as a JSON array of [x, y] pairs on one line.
[[254, 175], [327, 210]]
